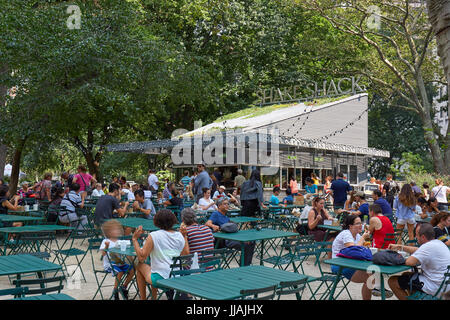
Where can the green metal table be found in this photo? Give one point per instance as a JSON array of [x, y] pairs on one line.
[[17, 218], [24, 263], [30, 229], [32, 213], [147, 224], [363, 265], [250, 235], [54, 296], [226, 284], [241, 221]]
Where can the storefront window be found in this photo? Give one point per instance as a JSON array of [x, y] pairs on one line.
[[353, 174], [271, 180], [284, 181]]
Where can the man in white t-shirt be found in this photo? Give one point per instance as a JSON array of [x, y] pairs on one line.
[[433, 257], [440, 193], [153, 182]]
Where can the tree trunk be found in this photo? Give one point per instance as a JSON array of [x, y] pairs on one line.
[[3, 148], [16, 167], [3, 151], [439, 15]]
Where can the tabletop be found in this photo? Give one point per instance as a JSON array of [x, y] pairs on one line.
[[24, 263], [253, 235], [226, 284], [54, 296], [244, 219], [364, 265], [147, 224], [128, 252], [332, 228], [16, 218], [35, 228]]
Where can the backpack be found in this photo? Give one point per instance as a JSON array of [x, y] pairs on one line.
[[388, 258], [356, 252]]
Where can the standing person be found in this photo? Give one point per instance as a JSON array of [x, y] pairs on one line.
[[218, 176], [415, 188], [440, 192], [43, 188], [186, 180], [432, 255], [339, 189], [215, 184], [84, 179], [314, 178], [294, 186], [68, 180], [252, 195], [386, 209], [106, 205], [426, 190], [153, 183], [327, 186], [239, 179], [405, 205], [162, 246], [203, 180], [390, 189]]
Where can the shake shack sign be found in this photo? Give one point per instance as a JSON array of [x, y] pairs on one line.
[[310, 90]]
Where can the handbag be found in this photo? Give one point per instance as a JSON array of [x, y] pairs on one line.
[[87, 188], [388, 258], [229, 227], [356, 252]]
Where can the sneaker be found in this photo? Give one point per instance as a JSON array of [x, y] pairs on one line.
[[125, 293], [116, 294], [377, 293]]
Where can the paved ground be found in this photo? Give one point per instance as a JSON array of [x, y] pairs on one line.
[[82, 290]]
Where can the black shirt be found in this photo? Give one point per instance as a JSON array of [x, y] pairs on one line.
[[104, 208]]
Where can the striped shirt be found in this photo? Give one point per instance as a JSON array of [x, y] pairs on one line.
[[200, 238]]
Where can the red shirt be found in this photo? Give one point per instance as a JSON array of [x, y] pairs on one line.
[[380, 235]]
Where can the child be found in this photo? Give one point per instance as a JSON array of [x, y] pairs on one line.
[[274, 201], [288, 199], [160, 198], [112, 229]]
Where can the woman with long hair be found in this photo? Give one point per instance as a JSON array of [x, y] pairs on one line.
[[441, 224], [316, 216], [405, 205], [252, 195]]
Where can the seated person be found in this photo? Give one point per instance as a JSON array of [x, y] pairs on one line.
[[363, 206], [199, 237], [98, 191], [441, 224], [351, 204], [219, 193], [112, 229], [218, 218], [160, 198], [68, 206], [433, 205], [274, 201], [175, 200], [288, 199], [350, 236], [206, 203], [108, 206], [432, 255], [316, 216], [378, 199], [143, 205], [311, 188], [379, 225], [6, 204], [234, 198], [162, 246]]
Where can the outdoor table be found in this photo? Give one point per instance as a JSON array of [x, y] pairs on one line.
[[328, 229], [16, 218], [147, 224], [243, 220], [31, 229], [25, 263], [53, 296], [37, 213], [420, 220], [134, 214], [364, 266], [250, 235], [226, 284]]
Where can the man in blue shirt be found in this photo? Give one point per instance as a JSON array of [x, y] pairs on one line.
[[363, 210], [218, 218], [202, 180], [386, 209], [186, 180], [339, 189]]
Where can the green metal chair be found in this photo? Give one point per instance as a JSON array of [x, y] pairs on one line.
[[444, 287], [94, 251], [43, 285], [16, 292], [255, 294], [292, 287]]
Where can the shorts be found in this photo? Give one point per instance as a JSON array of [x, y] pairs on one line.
[[346, 272], [403, 282], [123, 268], [406, 221], [155, 278]]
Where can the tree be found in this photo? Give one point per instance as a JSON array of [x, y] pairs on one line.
[[402, 64]]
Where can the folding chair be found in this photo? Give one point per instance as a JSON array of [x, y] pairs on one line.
[[255, 294], [292, 287], [43, 285], [94, 245], [444, 287], [16, 292]]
